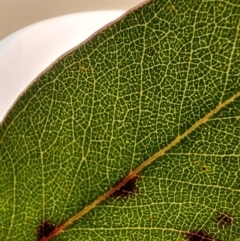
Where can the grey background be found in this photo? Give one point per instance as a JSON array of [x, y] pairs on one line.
[[16, 14]]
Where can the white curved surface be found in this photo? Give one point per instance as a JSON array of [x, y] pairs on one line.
[[27, 52]]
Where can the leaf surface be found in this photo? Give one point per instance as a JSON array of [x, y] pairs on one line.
[[149, 106]]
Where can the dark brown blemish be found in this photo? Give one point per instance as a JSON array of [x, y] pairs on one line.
[[198, 236], [126, 190], [45, 229], [204, 169], [224, 219], [151, 52]]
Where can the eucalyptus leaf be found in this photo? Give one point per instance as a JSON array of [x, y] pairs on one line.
[[133, 135]]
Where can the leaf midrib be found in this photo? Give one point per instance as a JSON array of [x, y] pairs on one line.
[[134, 173]]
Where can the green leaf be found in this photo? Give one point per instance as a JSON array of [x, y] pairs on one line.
[[153, 100]]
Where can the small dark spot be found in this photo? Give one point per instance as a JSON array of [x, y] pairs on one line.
[[58, 144], [66, 188], [151, 52], [45, 229], [224, 219], [127, 189], [198, 236], [204, 169]]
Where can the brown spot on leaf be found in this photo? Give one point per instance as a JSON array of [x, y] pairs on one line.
[[171, 8], [126, 190], [224, 219], [81, 68], [198, 236], [204, 169], [45, 229], [151, 52], [58, 143]]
